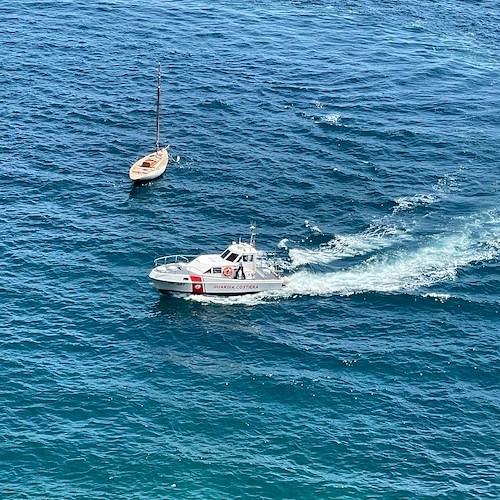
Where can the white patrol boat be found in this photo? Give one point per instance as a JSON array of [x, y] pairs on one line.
[[236, 271]]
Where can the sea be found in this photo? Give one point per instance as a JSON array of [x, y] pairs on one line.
[[362, 140]]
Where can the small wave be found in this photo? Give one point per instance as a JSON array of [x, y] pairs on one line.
[[332, 119], [440, 297], [313, 229], [410, 202], [447, 184], [283, 244], [216, 104]]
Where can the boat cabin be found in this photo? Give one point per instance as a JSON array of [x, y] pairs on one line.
[[239, 252], [237, 261]]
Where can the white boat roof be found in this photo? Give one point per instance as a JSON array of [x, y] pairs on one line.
[[241, 248], [205, 262]]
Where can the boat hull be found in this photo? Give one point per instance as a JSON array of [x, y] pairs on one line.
[[149, 167], [200, 285]]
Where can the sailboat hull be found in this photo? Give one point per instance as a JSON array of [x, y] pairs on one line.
[[150, 166]]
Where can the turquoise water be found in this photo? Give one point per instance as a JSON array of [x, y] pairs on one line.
[[362, 139]]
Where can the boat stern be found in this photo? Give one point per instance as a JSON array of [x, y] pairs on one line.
[[168, 280]]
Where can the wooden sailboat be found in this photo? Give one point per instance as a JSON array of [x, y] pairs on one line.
[[154, 164]]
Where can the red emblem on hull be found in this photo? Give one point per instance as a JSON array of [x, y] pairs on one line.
[[197, 284]]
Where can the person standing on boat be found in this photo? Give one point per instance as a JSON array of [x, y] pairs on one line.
[[240, 270]]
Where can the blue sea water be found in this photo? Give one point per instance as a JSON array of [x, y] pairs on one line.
[[363, 140]]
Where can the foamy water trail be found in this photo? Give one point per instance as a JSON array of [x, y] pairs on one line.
[[393, 273], [438, 260], [350, 245], [435, 261]]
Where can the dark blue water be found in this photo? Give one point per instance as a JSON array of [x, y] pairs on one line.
[[363, 140]]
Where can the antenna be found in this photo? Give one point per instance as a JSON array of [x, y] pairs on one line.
[[252, 234]]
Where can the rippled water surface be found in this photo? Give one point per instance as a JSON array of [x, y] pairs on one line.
[[363, 140]]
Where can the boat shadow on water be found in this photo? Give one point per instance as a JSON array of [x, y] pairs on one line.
[[142, 189], [139, 189]]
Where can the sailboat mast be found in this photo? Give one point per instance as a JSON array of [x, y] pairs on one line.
[[158, 110]]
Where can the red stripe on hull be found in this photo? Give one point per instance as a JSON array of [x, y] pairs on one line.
[[197, 284]]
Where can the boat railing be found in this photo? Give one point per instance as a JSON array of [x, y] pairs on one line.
[[173, 259]]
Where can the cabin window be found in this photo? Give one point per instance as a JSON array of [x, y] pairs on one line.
[[232, 257], [225, 254], [247, 258], [217, 270]]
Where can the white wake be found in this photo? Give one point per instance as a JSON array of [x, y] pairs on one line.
[[436, 260], [349, 245]]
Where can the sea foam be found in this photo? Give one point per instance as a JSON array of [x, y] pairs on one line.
[[348, 245]]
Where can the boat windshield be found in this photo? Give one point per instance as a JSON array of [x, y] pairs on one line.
[[231, 257]]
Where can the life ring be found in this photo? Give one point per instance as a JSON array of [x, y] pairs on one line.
[[227, 271]]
